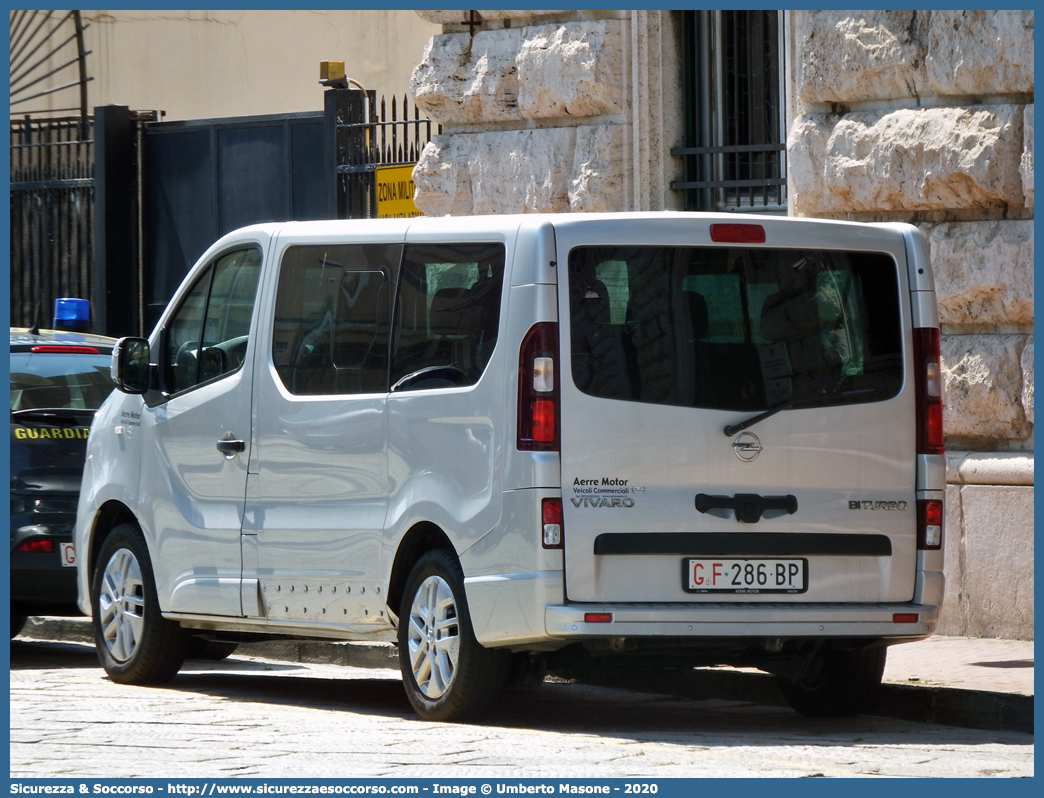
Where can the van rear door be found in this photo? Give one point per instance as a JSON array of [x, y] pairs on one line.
[[736, 422]]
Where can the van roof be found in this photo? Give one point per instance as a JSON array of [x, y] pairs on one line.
[[500, 222]]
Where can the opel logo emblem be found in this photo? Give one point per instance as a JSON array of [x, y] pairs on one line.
[[746, 446]]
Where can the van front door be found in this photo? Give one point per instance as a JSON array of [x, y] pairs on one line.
[[193, 481]]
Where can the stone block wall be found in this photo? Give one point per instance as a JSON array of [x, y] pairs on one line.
[[532, 112], [537, 112], [927, 117]]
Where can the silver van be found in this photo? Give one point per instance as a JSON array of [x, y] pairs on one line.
[[514, 444]]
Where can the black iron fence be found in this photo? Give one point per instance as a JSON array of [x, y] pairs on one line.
[[103, 209], [741, 176], [52, 215], [369, 136]]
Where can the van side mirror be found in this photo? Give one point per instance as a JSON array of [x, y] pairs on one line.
[[130, 369]]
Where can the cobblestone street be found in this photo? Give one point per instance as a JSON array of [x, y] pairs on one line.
[[261, 718]]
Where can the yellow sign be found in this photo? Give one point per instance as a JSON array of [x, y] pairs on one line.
[[395, 192]]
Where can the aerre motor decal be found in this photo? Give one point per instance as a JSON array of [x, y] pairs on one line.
[[605, 492]]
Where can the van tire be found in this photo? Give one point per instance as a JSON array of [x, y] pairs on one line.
[[466, 689], [17, 624], [135, 643], [846, 684]]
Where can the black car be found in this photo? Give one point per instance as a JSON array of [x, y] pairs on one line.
[[58, 381]]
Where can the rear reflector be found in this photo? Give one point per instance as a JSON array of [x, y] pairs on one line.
[[929, 524], [551, 516], [737, 233], [37, 546], [598, 617], [905, 617], [65, 350]]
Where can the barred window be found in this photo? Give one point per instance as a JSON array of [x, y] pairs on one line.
[[735, 120]]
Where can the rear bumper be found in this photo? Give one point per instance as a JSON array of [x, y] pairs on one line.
[[528, 609], [566, 621]]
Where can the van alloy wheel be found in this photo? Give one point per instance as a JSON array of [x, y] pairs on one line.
[[448, 675], [135, 643], [121, 603], [433, 637]]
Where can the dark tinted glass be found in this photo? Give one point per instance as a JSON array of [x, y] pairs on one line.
[[735, 329], [333, 312], [49, 380], [207, 336], [447, 314], [183, 334]]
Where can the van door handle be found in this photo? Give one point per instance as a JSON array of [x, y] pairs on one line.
[[230, 448]]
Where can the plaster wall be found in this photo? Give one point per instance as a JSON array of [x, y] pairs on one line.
[[203, 64]]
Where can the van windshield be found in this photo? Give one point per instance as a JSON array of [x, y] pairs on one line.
[[734, 328]]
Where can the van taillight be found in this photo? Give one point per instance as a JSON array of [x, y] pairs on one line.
[[929, 524], [928, 391], [538, 406], [551, 518]]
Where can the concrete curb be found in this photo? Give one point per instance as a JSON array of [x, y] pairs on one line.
[[975, 709]]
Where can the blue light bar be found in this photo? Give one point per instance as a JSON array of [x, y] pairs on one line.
[[72, 315]]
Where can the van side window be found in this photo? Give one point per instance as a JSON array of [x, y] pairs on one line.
[[447, 314], [207, 336], [332, 318]]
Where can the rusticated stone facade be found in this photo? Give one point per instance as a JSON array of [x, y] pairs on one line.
[[927, 117], [533, 115], [924, 117], [545, 111]]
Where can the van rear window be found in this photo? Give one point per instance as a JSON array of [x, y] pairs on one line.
[[733, 328]]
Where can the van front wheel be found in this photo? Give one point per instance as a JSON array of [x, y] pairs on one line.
[[136, 644], [845, 684], [447, 674]]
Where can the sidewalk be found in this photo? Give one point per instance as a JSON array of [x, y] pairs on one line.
[[958, 681]]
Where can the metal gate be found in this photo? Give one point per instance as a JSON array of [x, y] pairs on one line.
[[52, 215], [116, 208], [367, 139], [204, 178]]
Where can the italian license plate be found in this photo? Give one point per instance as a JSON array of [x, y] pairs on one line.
[[68, 555], [726, 575]]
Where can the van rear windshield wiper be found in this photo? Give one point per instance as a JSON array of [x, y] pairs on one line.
[[732, 429]]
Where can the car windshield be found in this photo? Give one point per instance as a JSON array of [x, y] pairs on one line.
[[59, 380]]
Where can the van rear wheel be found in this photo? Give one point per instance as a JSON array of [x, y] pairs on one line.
[[846, 684], [447, 674], [136, 644]]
